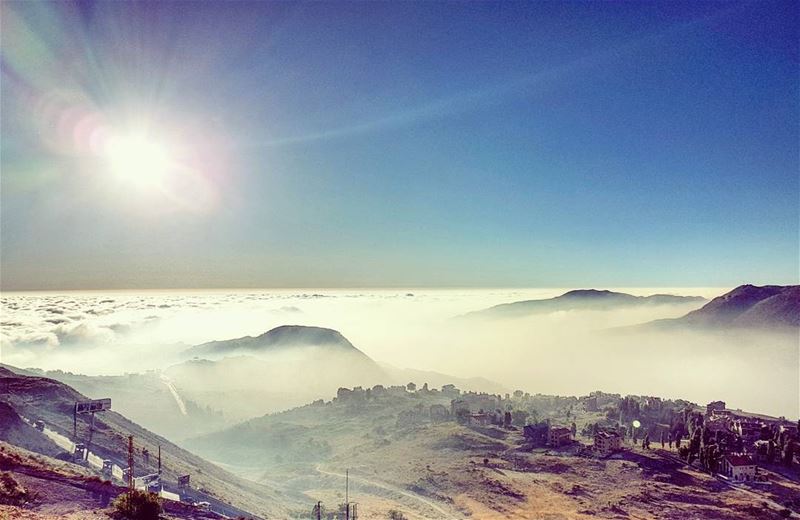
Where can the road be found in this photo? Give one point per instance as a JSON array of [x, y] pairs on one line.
[[181, 405], [394, 489], [187, 495]]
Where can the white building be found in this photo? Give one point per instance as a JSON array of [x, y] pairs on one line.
[[740, 468]]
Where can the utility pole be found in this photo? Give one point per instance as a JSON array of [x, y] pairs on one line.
[[347, 493], [130, 463], [91, 434], [130, 474]]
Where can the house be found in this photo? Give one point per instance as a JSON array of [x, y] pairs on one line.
[[739, 467], [606, 443], [590, 403], [558, 436], [536, 433], [480, 418]]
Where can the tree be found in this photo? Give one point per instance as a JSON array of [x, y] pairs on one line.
[[394, 514], [137, 505], [411, 387], [519, 417]]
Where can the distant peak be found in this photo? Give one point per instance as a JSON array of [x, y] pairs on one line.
[[592, 293]]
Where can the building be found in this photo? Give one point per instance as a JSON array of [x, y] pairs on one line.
[[739, 467], [590, 403], [715, 406], [558, 436], [480, 418], [606, 443]]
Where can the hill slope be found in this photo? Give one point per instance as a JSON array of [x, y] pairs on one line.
[[39, 398], [51, 489], [747, 306], [404, 452]]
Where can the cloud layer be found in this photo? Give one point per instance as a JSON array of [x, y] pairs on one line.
[[567, 352]]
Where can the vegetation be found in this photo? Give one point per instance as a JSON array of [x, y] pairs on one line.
[[11, 492], [394, 514], [137, 505]]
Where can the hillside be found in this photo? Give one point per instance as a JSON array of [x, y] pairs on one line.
[[747, 306], [37, 487], [147, 399], [582, 299], [38, 398], [404, 453]]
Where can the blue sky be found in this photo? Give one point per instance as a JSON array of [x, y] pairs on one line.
[[403, 144]]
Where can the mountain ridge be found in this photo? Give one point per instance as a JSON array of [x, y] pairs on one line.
[[580, 299], [746, 306]]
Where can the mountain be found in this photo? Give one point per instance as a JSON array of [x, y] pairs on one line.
[[40, 398], [747, 306], [233, 380], [277, 339], [582, 299]]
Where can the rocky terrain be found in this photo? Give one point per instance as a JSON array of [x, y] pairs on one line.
[[37, 487], [38, 398], [401, 457]]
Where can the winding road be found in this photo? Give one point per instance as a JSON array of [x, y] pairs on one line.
[[394, 489]]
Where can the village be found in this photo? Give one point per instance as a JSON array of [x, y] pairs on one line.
[[739, 449], [728, 443]]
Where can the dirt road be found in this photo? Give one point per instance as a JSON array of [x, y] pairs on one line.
[[394, 489]]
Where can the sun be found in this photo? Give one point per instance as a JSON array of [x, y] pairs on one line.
[[139, 159]]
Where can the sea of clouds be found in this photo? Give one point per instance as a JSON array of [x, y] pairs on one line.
[[567, 352]]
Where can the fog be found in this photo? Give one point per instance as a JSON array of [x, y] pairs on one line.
[[566, 352]]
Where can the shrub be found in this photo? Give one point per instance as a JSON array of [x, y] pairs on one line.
[[11, 493], [394, 514], [137, 505]]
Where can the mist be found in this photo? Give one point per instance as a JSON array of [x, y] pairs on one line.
[[565, 352]]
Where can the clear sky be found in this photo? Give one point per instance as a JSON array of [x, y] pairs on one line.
[[202, 144]]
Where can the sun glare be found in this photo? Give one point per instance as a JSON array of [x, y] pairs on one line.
[[138, 159]]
